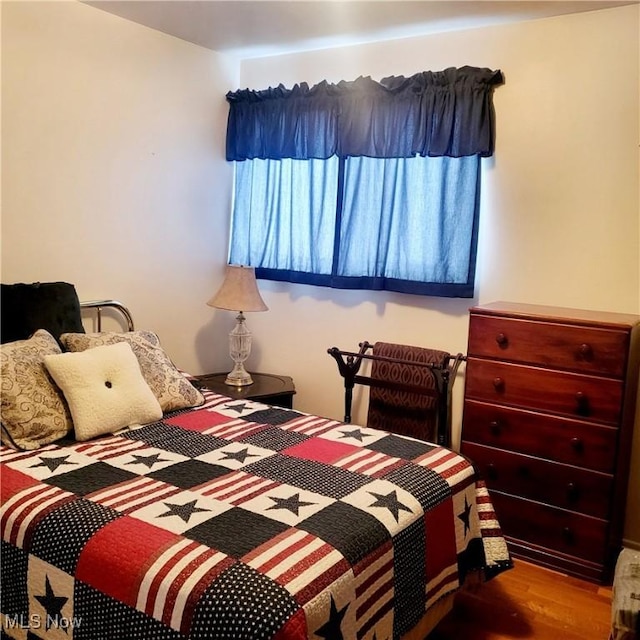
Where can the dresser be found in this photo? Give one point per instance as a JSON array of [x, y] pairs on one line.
[[548, 420]]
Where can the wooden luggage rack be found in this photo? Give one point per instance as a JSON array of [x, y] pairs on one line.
[[442, 374]]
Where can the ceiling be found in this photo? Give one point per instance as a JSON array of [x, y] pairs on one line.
[[250, 28]]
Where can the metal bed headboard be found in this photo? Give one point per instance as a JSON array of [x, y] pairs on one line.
[[99, 305]]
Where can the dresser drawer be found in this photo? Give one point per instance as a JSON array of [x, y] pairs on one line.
[[556, 529], [576, 442], [582, 349], [569, 394], [553, 483]]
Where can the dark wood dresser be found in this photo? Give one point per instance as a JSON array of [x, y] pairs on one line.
[[548, 420]]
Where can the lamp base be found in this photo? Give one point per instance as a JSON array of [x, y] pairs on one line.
[[239, 376]]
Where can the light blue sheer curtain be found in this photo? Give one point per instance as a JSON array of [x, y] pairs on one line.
[[284, 214], [404, 224], [409, 218]]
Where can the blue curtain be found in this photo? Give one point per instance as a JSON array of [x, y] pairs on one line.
[[363, 184], [410, 219], [283, 219]]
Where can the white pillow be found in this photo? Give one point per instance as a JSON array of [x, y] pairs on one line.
[[104, 389], [171, 387]]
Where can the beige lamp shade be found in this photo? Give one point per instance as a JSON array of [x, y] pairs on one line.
[[239, 291]]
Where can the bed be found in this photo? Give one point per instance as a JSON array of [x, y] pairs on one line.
[[220, 519]]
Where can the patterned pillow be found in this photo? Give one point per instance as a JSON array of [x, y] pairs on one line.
[[171, 388], [33, 410], [104, 388]]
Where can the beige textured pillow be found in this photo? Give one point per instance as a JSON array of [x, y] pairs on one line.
[[171, 388], [104, 388], [32, 408]]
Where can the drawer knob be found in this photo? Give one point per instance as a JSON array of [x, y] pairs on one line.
[[573, 493], [577, 445], [567, 535], [585, 351], [502, 340], [492, 472], [498, 384], [495, 428], [582, 404]]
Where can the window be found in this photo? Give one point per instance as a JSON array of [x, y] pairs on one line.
[[363, 185]]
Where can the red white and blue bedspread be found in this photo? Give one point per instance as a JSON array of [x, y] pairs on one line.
[[238, 520]]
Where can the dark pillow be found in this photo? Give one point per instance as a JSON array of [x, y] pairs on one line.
[[25, 308]]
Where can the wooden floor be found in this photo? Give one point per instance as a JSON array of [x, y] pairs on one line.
[[529, 602]]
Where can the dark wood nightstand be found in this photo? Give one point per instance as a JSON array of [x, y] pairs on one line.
[[267, 387]]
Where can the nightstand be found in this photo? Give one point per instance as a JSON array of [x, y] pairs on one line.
[[267, 387]]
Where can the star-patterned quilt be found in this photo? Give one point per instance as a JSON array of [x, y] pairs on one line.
[[238, 520]]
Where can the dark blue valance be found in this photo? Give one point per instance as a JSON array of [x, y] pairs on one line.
[[443, 113]]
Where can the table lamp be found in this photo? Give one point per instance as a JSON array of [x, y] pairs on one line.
[[239, 292]]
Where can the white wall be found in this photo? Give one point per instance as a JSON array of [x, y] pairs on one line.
[[113, 170], [113, 178], [560, 204]]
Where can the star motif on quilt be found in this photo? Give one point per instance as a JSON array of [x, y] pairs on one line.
[[52, 604], [464, 516], [147, 461], [391, 502], [53, 463], [183, 511], [356, 434], [292, 504], [239, 408], [240, 456], [330, 630]]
